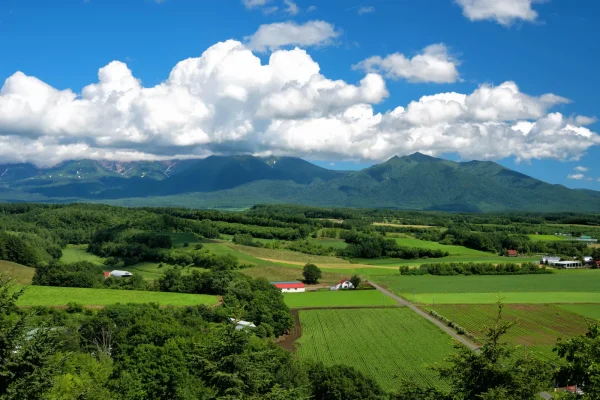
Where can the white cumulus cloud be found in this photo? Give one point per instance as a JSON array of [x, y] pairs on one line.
[[255, 3], [274, 36], [505, 12], [292, 8], [227, 101], [581, 169], [576, 177], [433, 64]]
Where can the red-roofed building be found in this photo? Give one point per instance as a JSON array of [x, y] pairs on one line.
[[290, 287], [343, 284], [106, 274], [512, 253]]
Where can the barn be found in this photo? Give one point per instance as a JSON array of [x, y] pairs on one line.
[[290, 287]]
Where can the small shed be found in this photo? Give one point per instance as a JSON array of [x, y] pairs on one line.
[[512, 253], [239, 325], [120, 274], [343, 284], [290, 287]]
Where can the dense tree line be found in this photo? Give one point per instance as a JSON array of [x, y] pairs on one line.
[[475, 269], [27, 249], [361, 245]]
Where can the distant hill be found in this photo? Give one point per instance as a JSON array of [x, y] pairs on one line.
[[411, 182]]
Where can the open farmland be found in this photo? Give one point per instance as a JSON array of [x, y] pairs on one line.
[[20, 273], [453, 250], [61, 296], [506, 297], [560, 281], [548, 238], [75, 253], [389, 345], [585, 310], [537, 326], [341, 298]]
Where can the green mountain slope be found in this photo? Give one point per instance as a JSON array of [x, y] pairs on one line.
[[411, 182]]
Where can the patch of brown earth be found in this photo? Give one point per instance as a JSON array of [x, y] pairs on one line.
[[287, 341]]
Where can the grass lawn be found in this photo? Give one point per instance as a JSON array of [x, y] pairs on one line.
[[537, 326], [286, 255], [560, 281], [506, 297], [347, 298], [292, 273], [386, 344], [453, 250], [75, 253], [20, 273], [586, 310], [60, 296]]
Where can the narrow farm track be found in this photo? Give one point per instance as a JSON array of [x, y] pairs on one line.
[[425, 315]]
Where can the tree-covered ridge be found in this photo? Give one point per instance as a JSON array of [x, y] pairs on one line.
[[410, 182]]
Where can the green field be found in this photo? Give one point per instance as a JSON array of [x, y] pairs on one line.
[[341, 298], [585, 310], [453, 250], [180, 239], [60, 296], [20, 273], [560, 281], [75, 253], [537, 326], [329, 242], [387, 344], [547, 238], [485, 257], [506, 297]]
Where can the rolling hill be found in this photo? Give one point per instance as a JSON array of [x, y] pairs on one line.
[[417, 182]]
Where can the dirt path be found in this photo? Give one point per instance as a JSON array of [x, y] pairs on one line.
[[422, 313]]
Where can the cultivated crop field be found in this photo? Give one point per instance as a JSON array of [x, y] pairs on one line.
[[585, 310], [537, 326], [505, 297], [387, 344], [584, 281], [61, 296], [341, 298]]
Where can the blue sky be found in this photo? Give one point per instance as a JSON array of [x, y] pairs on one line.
[[543, 47]]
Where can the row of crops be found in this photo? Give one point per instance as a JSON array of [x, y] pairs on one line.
[[536, 329], [389, 345]]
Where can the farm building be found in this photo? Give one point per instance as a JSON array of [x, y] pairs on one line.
[[343, 284], [120, 274], [549, 260], [290, 287], [511, 253], [585, 238], [239, 325], [106, 274], [567, 264], [588, 260]]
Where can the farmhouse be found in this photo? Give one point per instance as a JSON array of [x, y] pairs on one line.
[[290, 287], [512, 253], [120, 274], [239, 325], [343, 284]]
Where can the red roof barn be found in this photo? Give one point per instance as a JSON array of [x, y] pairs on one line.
[[512, 253], [106, 274], [293, 286]]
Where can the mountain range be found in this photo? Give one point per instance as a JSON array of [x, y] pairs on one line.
[[417, 182]]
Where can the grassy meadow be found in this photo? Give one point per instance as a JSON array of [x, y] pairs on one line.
[[386, 344], [21, 274], [75, 253], [341, 298], [61, 296]]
